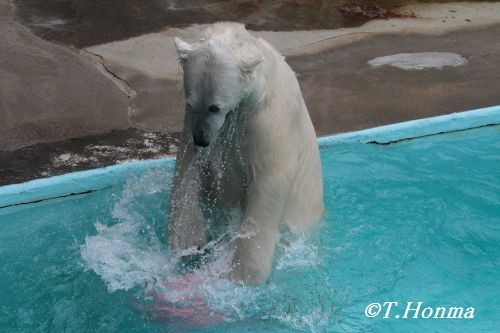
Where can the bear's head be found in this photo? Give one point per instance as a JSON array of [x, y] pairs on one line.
[[218, 77]]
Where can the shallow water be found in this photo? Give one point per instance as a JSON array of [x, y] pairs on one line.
[[413, 221], [420, 60]]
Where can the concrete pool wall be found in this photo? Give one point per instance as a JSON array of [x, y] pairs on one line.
[[97, 179]]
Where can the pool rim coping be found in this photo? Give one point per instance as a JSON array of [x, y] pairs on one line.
[[92, 180]]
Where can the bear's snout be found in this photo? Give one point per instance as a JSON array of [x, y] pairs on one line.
[[200, 142], [200, 139], [201, 132]]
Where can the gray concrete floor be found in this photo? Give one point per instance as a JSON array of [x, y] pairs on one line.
[[66, 109], [344, 94]]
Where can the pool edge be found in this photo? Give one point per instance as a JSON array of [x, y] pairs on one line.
[[418, 128], [97, 179], [78, 182]]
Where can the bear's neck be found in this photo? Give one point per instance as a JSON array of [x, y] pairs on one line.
[[273, 80], [275, 89], [275, 106]]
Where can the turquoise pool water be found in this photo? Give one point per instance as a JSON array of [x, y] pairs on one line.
[[414, 221]]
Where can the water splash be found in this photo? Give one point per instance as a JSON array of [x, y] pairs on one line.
[[125, 255], [128, 254], [297, 251], [209, 173]]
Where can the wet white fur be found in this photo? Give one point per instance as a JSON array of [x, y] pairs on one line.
[[276, 173]]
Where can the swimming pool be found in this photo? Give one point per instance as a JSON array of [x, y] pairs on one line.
[[413, 220]]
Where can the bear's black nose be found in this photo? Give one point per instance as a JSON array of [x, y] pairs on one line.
[[200, 140], [213, 108]]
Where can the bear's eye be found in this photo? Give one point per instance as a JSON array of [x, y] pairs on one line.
[[213, 108]]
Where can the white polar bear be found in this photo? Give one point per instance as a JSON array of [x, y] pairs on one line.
[[244, 105]]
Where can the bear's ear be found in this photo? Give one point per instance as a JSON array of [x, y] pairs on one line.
[[249, 56], [248, 64], [183, 49]]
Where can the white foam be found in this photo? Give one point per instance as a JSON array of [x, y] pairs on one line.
[[420, 60], [298, 252]]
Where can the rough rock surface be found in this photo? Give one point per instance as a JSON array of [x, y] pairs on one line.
[[50, 93]]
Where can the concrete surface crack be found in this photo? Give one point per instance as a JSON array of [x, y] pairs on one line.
[[121, 83], [335, 37]]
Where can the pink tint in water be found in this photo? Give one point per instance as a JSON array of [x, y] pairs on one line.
[[181, 301]]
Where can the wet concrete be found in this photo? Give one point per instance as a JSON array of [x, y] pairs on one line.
[[343, 93], [149, 64], [84, 23], [96, 151], [91, 22]]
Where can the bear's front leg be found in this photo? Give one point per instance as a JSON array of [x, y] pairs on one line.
[[256, 243], [254, 253]]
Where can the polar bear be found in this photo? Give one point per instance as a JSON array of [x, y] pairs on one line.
[[248, 144]]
